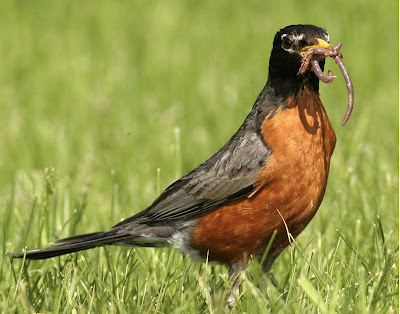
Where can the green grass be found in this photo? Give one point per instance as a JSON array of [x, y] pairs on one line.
[[105, 93]]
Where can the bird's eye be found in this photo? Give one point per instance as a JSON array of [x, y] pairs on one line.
[[286, 42]]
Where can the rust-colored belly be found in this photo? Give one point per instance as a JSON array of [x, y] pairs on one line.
[[291, 186]]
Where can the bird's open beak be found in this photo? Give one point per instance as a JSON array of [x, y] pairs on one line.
[[320, 43]]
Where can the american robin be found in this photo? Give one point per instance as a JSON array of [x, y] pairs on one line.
[[269, 178]]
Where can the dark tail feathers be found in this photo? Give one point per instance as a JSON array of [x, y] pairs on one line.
[[74, 244]]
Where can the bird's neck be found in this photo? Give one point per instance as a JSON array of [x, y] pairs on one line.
[[277, 92], [280, 87], [283, 85]]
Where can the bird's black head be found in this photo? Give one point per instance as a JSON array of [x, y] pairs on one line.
[[289, 45]]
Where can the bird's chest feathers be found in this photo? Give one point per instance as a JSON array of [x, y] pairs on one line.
[[302, 141]]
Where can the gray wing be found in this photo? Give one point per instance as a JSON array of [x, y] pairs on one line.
[[228, 175]]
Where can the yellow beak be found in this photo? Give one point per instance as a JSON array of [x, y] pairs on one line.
[[319, 44]]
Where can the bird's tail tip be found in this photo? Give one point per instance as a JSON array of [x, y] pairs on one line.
[[71, 245]]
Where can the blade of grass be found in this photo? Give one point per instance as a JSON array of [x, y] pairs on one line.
[[313, 294], [361, 259]]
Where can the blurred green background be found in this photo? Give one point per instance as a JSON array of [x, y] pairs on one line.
[[107, 92]]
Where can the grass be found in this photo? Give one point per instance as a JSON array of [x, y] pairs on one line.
[[103, 104]]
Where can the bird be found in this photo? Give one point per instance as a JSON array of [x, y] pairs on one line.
[[264, 185]]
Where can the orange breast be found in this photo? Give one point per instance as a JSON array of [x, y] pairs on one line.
[[291, 186]]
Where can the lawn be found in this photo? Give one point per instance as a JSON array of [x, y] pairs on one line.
[[103, 104]]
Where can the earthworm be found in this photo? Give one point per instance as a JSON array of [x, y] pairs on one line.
[[350, 88], [324, 52], [337, 56], [318, 72], [328, 52], [305, 62]]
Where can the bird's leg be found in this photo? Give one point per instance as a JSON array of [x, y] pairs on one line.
[[266, 267], [234, 282]]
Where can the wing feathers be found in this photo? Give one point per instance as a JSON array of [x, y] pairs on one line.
[[227, 175]]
